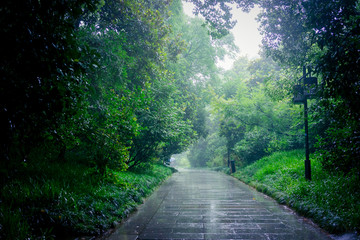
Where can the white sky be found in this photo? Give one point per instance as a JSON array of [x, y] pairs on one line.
[[246, 33]]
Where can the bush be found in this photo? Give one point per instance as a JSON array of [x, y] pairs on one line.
[[331, 200], [49, 200]]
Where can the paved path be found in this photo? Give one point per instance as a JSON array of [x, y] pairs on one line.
[[199, 204]]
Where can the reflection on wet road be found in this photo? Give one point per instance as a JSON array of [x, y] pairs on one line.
[[199, 204]]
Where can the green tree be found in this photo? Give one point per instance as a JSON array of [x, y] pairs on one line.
[[323, 34], [133, 104], [164, 131], [253, 122], [194, 71], [42, 75], [90, 79]]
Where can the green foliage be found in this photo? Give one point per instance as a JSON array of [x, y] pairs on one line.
[[252, 119], [126, 86], [322, 34], [165, 130], [13, 221], [42, 75], [92, 82], [95, 88], [329, 199], [71, 199], [217, 14], [198, 156], [180, 161], [210, 151], [340, 141], [194, 71]]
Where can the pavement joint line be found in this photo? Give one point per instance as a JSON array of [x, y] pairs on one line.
[[208, 205]]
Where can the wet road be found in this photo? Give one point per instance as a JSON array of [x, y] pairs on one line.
[[199, 204]]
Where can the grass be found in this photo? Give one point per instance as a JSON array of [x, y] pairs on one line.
[[46, 201], [331, 200]]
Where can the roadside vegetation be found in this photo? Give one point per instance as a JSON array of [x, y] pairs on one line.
[[94, 93], [330, 199], [254, 122], [68, 200]]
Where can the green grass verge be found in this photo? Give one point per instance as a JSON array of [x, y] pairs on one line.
[[331, 200], [51, 200]]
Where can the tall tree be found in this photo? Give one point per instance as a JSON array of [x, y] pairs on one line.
[[134, 43], [254, 123], [324, 34], [42, 77]]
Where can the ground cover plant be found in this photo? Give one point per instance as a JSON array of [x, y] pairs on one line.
[[330, 199], [54, 200], [90, 88]]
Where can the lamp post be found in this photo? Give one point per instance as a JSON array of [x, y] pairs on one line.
[[301, 94]]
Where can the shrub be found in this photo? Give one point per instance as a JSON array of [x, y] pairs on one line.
[[52, 199], [330, 199]]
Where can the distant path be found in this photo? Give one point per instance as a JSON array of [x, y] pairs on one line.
[[199, 204]]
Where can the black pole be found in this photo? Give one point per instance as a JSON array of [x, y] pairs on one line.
[[307, 153], [233, 168], [228, 156]]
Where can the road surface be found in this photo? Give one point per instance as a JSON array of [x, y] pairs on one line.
[[200, 204]]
